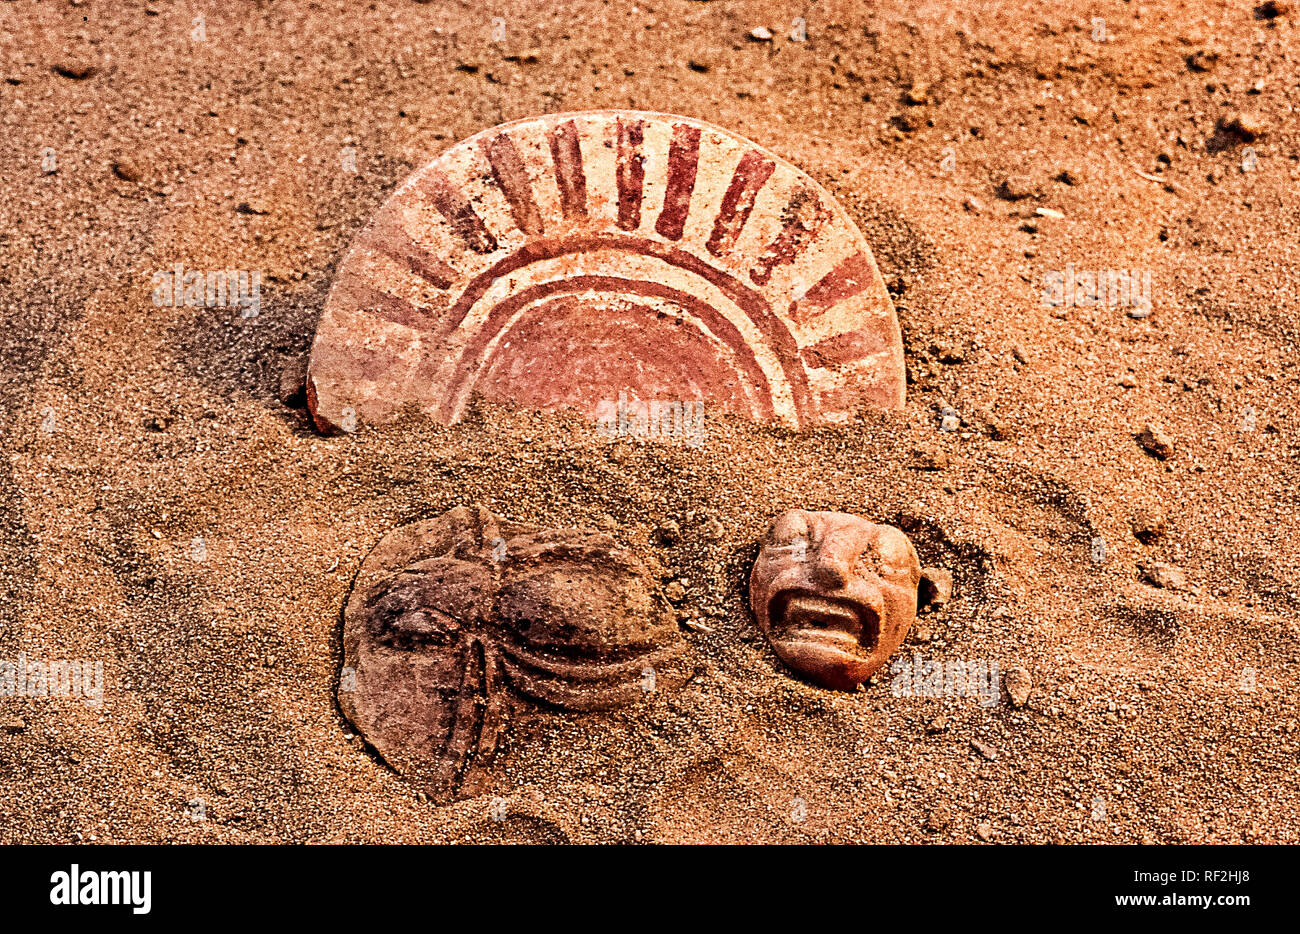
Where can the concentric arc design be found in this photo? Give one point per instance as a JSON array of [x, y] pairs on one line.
[[558, 261]]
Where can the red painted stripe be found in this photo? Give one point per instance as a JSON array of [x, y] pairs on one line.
[[750, 176], [366, 298], [631, 174], [512, 178], [566, 153], [395, 243], [683, 161], [843, 348], [803, 218], [453, 205], [851, 277]]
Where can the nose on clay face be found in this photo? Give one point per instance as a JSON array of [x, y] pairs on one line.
[[830, 571]]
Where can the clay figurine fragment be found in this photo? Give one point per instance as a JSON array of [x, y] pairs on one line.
[[453, 622], [834, 594], [558, 261]]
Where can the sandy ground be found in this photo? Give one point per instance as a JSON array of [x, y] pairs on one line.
[[130, 430]]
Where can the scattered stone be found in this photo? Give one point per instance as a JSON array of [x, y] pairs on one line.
[[13, 725], [253, 206], [974, 205], [1272, 9], [984, 832], [1051, 213], [694, 625], [1155, 442], [984, 749], [935, 589], [901, 124], [1068, 177], [675, 592], [670, 533], [713, 530], [1164, 576], [1085, 112], [1016, 188], [701, 67], [1128, 381], [1019, 685], [922, 635], [293, 383], [127, 169], [988, 420], [1243, 125], [927, 460], [1202, 60], [939, 819], [760, 34], [1139, 312], [949, 420], [937, 725], [1019, 352], [917, 94], [948, 352], [1148, 527], [76, 69]]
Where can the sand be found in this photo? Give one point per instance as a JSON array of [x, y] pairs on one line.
[[131, 430]]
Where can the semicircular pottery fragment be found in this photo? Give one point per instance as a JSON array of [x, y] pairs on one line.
[[558, 261]]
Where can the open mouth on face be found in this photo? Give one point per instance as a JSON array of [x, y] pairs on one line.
[[805, 616]]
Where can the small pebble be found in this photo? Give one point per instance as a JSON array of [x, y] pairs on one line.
[[1165, 576], [76, 69], [936, 588], [670, 533], [1019, 686], [127, 169], [1155, 442], [1148, 527]]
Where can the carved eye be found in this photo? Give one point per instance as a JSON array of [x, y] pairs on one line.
[[410, 626], [405, 614]]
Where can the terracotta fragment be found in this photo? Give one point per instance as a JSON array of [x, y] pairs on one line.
[[455, 621], [557, 261], [834, 594]]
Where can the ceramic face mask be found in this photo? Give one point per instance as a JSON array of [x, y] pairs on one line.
[[834, 594]]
